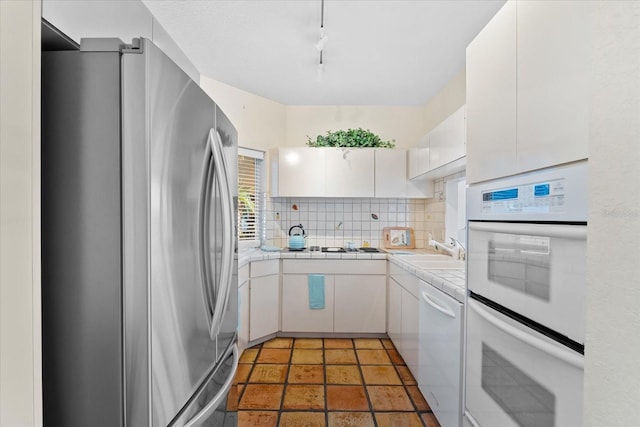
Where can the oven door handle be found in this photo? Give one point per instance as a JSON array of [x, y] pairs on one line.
[[555, 351], [572, 232]]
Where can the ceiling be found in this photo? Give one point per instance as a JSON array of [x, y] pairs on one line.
[[379, 52]]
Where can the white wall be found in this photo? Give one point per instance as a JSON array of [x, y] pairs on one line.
[[446, 102], [20, 334], [260, 122], [612, 349], [404, 124]]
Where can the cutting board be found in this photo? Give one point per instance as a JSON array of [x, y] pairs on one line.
[[398, 238]]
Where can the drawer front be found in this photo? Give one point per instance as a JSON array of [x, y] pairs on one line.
[[243, 274], [304, 266], [265, 268], [405, 279]]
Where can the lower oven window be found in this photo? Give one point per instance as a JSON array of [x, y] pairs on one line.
[[527, 402]]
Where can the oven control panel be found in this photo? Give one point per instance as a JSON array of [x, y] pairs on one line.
[[539, 197]]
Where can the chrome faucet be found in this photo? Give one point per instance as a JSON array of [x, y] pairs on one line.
[[455, 249]]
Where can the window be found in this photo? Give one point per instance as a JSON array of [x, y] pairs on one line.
[[250, 195]]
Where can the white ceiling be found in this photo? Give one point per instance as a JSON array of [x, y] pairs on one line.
[[379, 52]]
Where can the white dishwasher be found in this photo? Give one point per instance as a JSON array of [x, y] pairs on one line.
[[440, 354]]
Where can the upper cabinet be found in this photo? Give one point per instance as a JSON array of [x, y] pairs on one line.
[[527, 89], [344, 172], [349, 172], [442, 151], [554, 40]]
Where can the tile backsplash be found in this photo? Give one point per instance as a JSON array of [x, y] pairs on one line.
[[335, 221]]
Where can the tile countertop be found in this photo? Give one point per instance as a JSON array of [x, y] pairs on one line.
[[449, 281]]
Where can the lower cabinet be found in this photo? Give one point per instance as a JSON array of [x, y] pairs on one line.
[[354, 302], [359, 303], [296, 314], [264, 310], [404, 315]]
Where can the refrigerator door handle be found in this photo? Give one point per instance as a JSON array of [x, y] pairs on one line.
[[203, 231], [213, 404], [228, 243]]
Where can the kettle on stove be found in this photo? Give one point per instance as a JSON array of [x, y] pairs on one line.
[[297, 240]]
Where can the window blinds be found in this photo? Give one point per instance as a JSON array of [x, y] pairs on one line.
[[250, 194]]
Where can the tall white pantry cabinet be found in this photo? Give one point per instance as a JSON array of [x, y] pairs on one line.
[[527, 88]]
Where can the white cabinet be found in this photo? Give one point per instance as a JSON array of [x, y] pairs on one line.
[[391, 176], [264, 311], [403, 309], [394, 312], [344, 172], [553, 82], [298, 172], [491, 98], [243, 307], [349, 172], [296, 314], [359, 303], [528, 77], [442, 151], [355, 296]]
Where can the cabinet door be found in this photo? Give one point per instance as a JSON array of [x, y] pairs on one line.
[[390, 172], [296, 314], [438, 145], [360, 302], [243, 316], [553, 82], [349, 172], [491, 98], [264, 306], [298, 172], [394, 314], [409, 334]]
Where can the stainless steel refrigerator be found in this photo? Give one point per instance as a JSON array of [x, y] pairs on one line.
[[138, 237]]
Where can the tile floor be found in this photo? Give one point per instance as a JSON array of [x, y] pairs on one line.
[[360, 382]]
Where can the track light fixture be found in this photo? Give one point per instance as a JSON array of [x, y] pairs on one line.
[[321, 43]]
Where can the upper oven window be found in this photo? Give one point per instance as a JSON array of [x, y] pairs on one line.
[[521, 263]]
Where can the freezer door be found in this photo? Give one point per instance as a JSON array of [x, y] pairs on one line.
[[179, 118]]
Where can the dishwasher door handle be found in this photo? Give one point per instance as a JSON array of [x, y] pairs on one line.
[[432, 303]]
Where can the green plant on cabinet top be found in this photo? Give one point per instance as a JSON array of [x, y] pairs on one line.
[[350, 138]]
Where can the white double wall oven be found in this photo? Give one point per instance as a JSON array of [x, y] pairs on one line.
[[526, 278]]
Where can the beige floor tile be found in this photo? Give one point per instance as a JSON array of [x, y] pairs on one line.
[[306, 356], [406, 376], [369, 343], [308, 343], [305, 397], [268, 373], [338, 343], [274, 355], [257, 418], [300, 419], [249, 355], [306, 374], [380, 375], [430, 420], [340, 357], [242, 374], [398, 419], [373, 357], [278, 343], [350, 419], [389, 398], [343, 374], [261, 396], [346, 398], [417, 398]]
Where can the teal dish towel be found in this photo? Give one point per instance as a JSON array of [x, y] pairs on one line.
[[315, 283]]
